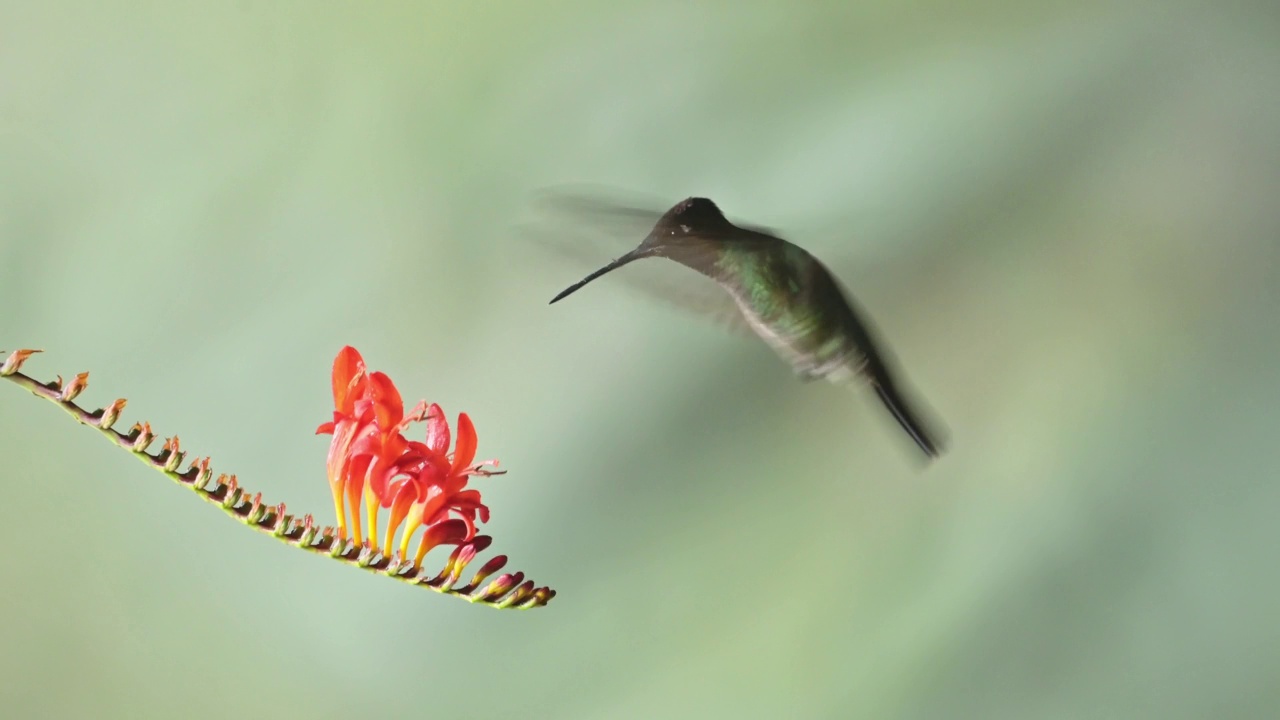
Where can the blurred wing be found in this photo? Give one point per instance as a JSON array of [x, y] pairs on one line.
[[599, 206], [613, 208], [587, 231]]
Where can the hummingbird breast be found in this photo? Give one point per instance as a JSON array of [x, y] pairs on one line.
[[787, 298]]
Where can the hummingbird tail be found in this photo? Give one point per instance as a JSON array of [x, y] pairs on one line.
[[897, 405]]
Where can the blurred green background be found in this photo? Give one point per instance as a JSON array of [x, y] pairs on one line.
[[1063, 219]]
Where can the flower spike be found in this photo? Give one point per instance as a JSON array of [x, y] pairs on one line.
[[429, 484]]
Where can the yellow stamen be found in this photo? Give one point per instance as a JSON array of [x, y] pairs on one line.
[[371, 510], [410, 527], [354, 501], [340, 511], [399, 511], [386, 540]]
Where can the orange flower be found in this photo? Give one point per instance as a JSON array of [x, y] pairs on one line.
[[350, 416], [381, 448], [421, 483], [432, 484]]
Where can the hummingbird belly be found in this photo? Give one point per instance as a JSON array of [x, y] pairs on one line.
[[813, 350]]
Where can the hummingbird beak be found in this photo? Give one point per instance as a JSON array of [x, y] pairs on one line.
[[640, 252]]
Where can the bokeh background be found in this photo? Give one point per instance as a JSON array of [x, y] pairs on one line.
[[1063, 217]]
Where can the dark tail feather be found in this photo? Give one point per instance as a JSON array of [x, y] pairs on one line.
[[897, 405]]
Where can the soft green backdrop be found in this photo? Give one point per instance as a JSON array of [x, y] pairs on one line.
[[1065, 220]]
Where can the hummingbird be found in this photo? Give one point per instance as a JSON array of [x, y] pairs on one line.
[[784, 294]]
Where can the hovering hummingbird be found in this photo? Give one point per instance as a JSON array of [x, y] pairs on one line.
[[783, 293]]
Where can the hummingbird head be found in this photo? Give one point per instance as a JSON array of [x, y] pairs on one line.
[[689, 220], [692, 217]]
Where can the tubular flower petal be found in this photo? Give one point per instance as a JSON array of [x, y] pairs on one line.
[[350, 420], [437, 429], [348, 373], [464, 449]]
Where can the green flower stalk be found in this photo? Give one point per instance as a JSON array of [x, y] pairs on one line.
[[422, 484]]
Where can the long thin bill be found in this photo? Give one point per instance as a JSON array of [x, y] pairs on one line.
[[633, 255]]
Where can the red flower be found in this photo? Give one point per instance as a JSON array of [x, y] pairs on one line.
[[381, 449], [422, 484], [433, 484], [350, 385]]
